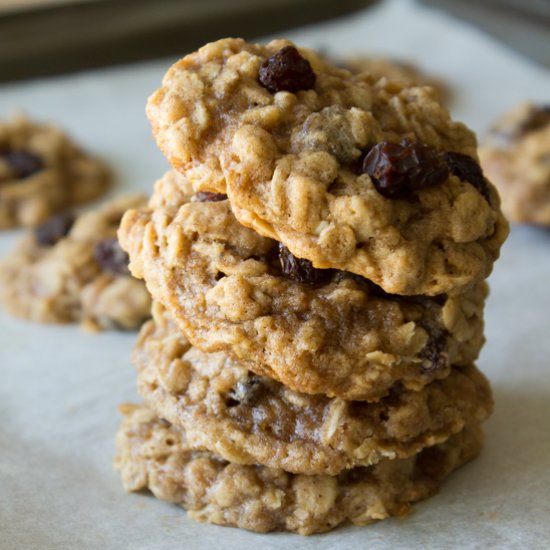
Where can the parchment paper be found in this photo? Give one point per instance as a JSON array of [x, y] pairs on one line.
[[60, 387]]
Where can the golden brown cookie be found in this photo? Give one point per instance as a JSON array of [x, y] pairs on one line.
[[249, 419], [317, 331], [516, 156], [68, 270], [152, 454], [349, 172], [42, 172]]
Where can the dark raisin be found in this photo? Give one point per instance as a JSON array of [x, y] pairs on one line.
[[434, 355], [399, 169], [301, 270], [111, 257], [286, 70], [246, 392], [23, 163], [53, 229], [207, 196], [465, 168]]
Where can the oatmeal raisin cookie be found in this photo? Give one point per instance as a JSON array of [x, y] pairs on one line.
[[42, 172], [317, 331], [68, 270], [367, 176]]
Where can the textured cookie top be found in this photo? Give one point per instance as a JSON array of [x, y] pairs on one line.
[[43, 172], [317, 331], [348, 172], [515, 154], [152, 454], [72, 269], [249, 419]]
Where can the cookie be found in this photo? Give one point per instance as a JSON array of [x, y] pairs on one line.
[[69, 270], [405, 72], [42, 172], [152, 454], [515, 156], [317, 331], [249, 419], [367, 176]]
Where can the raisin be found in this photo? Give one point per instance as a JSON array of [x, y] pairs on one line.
[[23, 163], [301, 270], [111, 257], [246, 392], [207, 196], [53, 229], [286, 70], [399, 169], [434, 355], [465, 168]]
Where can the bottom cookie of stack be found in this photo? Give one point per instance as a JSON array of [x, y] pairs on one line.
[[153, 454]]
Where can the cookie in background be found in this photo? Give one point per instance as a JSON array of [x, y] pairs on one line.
[[73, 270], [43, 172], [515, 155]]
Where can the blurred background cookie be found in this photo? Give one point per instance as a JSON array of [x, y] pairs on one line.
[[73, 270], [42, 172], [516, 158]]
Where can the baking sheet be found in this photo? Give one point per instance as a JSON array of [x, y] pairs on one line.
[[60, 387]]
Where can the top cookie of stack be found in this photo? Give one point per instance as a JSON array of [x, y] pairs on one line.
[[351, 173]]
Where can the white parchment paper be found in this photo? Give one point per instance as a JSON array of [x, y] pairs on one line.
[[60, 387]]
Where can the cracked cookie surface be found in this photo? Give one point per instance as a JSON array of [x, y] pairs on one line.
[[516, 156], [152, 454], [69, 270], [249, 419], [342, 336], [291, 163], [42, 172]]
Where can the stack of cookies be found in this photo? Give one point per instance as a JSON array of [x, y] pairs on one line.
[[317, 260]]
